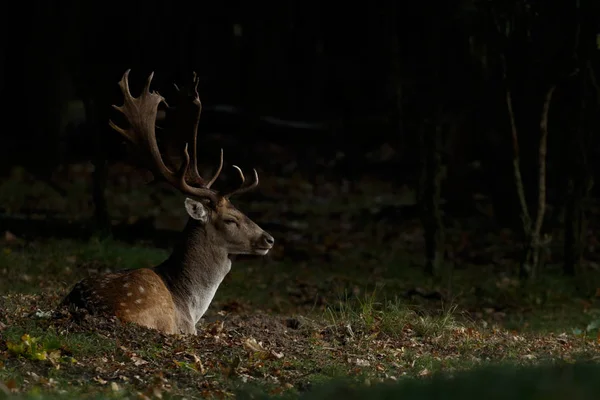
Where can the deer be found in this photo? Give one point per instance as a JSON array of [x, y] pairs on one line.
[[173, 296]]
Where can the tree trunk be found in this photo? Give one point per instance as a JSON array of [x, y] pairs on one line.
[[531, 262], [430, 198], [580, 181], [573, 246]]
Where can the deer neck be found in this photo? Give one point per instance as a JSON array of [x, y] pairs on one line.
[[194, 271]]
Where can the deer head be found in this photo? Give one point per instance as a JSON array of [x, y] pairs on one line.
[[226, 226]]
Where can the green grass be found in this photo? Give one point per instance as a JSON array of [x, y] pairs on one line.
[[390, 317], [48, 340], [50, 264], [501, 382]]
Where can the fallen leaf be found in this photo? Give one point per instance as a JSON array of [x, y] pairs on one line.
[[252, 345], [276, 355], [359, 362], [138, 360], [199, 365], [215, 328], [11, 384], [71, 259], [10, 237]]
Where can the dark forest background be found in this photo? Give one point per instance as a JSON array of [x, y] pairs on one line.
[[456, 99]]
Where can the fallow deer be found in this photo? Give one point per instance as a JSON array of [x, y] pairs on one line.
[[173, 296]]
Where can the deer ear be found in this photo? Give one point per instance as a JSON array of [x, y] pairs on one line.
[[196, 210]]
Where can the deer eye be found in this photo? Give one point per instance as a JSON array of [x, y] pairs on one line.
[[230, 222]]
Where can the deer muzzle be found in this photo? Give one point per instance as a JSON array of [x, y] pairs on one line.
[[264, 243]]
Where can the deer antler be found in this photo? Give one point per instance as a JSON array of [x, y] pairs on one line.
[[141, 112], [183, 119], [242, 188]]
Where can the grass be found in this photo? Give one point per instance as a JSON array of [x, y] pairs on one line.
[[389, 317], [341, 302], [27, 267], [500, 382], [276, 347]]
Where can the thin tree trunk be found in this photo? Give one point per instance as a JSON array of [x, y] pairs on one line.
[[533, 243], [525, 217], [580, 183], [531, 262], [573, 229], [431, 181]]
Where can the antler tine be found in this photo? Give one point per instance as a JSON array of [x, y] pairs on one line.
[[217, 173], [124, 84], [195, 174], [196, 83], [242, 188], [240, 172], [141, 113], [148, 82], [184, 167]]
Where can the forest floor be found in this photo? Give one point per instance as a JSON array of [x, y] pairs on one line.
[[341, 296]]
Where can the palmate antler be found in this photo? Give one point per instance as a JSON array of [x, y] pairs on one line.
[[140, 113]]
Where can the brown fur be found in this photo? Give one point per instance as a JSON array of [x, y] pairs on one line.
[[138, 296]]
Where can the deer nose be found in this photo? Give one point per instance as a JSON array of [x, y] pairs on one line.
[[268, 239]]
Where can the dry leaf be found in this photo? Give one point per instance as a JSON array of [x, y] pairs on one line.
[[100, 380], [11, 384], [71, 259], [138, 360], [10, 237], [251, 344], [215, 328], [199, 366], [359, 362]]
